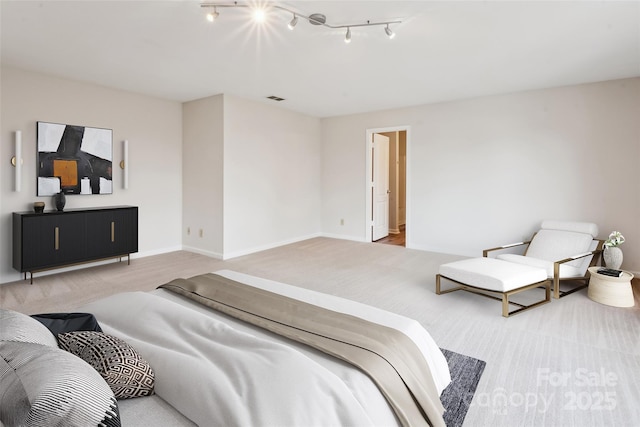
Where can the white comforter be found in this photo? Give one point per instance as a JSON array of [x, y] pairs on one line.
[[411, 328], [219, 371]]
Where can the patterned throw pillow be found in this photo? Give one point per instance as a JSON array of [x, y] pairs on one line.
[[126, 372], [16, 326], [41, 386]]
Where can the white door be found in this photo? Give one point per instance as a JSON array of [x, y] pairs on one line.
[[380, 210]]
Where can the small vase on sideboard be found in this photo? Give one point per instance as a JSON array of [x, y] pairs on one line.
[[60, 200]]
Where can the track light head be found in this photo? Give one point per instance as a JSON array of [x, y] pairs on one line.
[[293, 22], [389, 32], [259, 15], [211, 16], [347, 37]]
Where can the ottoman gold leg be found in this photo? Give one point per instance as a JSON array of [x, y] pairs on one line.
[[505, 305]]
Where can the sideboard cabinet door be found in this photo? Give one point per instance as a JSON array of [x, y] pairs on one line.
[[52, 240], [112, 232]]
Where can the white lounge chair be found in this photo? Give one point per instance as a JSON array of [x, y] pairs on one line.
[[565, 249], [561, 251]]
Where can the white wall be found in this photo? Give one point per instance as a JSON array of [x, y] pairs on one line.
[[481, 172], [487, 171], [272, 176], [152, 126], [344, 178], [203, 173]]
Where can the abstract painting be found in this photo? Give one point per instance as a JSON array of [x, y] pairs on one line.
[[74, 159]]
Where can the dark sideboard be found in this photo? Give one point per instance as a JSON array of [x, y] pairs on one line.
[[44, 241]]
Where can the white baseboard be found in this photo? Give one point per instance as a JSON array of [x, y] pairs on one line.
[[210, 254], [266, 247], [156, 252], [343, 237], [64, 269], [57, 270]]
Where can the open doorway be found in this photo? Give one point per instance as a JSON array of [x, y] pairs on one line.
[[387, 176]]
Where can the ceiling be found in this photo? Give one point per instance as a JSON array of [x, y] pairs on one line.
[[443, 50]]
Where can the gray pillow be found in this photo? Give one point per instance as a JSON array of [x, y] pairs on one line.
[[126, 372], [16, 326], [44, 386]]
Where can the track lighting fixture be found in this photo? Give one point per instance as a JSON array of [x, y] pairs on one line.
[[347, 37], [317, 19], [293, 22]]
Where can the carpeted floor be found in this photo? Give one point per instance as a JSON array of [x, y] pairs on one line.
[[572, 362]]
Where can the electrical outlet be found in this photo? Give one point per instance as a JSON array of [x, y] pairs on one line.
[[201, 232], [342, 221]]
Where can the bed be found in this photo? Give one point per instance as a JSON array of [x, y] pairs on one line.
[[212, 368]]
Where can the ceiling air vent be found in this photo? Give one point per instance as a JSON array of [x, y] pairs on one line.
[[275, 98]]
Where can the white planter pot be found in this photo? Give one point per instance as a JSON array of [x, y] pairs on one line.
[[612, 257]]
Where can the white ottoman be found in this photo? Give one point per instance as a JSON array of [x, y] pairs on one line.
[[490, 276]]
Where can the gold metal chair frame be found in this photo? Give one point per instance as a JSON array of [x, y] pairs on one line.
[[503, 296], [583, 282]]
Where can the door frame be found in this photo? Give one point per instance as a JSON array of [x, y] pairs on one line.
[[369, 173]]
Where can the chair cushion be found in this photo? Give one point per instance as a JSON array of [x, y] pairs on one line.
[[492, 274], [577, 227], [566, 270], [556, 245]]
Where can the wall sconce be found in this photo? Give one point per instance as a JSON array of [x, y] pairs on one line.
[[124, 164], [16, 161]]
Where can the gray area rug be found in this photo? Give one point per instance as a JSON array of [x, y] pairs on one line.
[[465, 375]]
